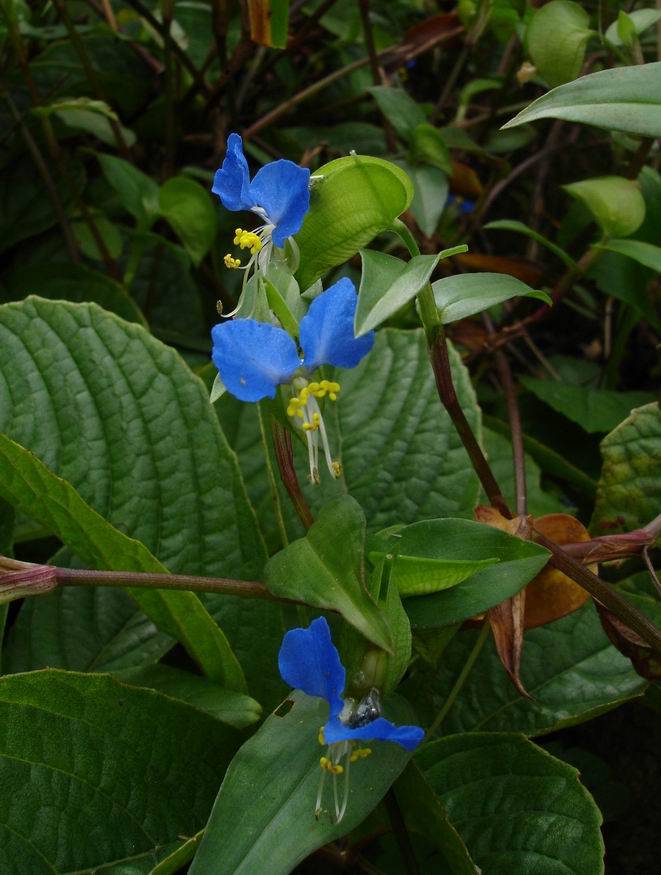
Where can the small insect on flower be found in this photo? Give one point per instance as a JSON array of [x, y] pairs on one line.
[[254, 358], [279, 194], [309, 661]]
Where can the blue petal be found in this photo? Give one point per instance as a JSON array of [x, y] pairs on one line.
[[282, 190], [309, 661], [327, 334], [253, 358], [232, 182], [378, 730]]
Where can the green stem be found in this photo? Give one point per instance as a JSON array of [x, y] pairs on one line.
[[273, 484], [461, 679]]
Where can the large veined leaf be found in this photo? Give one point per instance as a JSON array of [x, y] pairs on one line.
[[356, 198], [388, 419], [263, 819], [568, 667], [517, 808], [30, 486], [623, 99], [629, 489], [80, 758], [128, 412]]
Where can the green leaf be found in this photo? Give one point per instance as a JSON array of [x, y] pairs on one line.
[[644, 253], [388, 420], [430, 194], [263, 819], [428, 147], [402, 111], [466, 294], [107, 231], [25, 209], [137, 191], [70, 282], [29, 485], [326, 569], [387, 284], [623, 99], [110, 634], [103, 430], [521, 228], [80, 755], [425, 813], [228, 706], [90, 116], [357, 198], [550, 461], [430, 556], [569, 668], [629, 490], [189, 210], [517, 808], [641, 19], [516, 563], [616, 203], [625, 29], [557, 37], [595, 410]]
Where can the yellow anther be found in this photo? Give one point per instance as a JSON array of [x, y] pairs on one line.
[[337, 469], [232, 262], [247, 240], [360, 753], [314, 425], [327, 764], [321, 736]]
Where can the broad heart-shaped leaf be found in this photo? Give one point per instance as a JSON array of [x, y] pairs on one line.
[[430, 556], [263, 819], [189, 210], [568, 667], [389, 422], [129, 412], [594, 410], [357, 198], [508, 563], [387, 284], [557, 36], [466, 294], [326, 569], [623, 99], [617, 204], [30, 486], [80, 758], [517, 808], [629, 489]]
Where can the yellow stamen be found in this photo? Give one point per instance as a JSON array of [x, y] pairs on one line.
[[337, 470], [327, 764], [321, 736], [360, 753], [314, 425], [316, 390], [247, 240], [232, 262]]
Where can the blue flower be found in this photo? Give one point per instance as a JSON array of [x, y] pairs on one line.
[[464, 204], [309, 661], [254, 358], [279, 193]]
